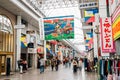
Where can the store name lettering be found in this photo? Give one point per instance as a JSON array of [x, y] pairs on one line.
[[87, 5], [107, 33]]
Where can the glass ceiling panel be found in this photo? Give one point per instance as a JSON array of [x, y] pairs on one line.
[[53, 4], [44, 5]]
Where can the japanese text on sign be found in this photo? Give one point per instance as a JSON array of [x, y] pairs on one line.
[[88, 5], [106, 35]]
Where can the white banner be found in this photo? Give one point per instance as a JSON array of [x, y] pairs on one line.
[[106, 35]]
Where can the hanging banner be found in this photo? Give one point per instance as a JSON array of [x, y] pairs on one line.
[[57, 28], [23, 41], [90, 15], [106, 35], [89, 40], [90, 12]]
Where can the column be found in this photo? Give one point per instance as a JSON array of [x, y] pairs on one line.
[[35, 50], [18, 43], [44, 49], [95, 42], [40, 28]]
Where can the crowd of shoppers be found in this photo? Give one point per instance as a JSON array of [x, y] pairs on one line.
[[76, 62], [54, 64]]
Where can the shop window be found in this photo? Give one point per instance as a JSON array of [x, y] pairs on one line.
[[6, 34]]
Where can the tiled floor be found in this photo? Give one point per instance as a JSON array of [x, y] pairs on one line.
[[62, 74]]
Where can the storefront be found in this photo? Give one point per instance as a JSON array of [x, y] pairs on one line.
[[6, 45], [116, 28], [31, 48], [40, 53]]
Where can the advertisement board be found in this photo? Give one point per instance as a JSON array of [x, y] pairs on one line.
[[57, 28], [106, 35]]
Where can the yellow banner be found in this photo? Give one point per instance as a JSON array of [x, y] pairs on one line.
[[116, 28]]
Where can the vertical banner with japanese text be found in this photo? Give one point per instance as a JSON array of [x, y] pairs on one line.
[[106, 35]]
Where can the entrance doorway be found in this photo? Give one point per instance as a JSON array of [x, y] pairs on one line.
[[3, 64]]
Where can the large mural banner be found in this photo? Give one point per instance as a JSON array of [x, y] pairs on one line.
[[58, 28]]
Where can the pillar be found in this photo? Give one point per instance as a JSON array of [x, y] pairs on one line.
[[95, 42], [18, 42], [44, 49]]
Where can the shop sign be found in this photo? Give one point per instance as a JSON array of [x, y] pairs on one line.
[[31, 50], [88, 5], [106, 35], [19, 26], [30, 32]]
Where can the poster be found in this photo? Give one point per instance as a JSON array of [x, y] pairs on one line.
[[58, 28]]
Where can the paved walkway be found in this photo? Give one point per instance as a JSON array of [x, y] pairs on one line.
[[62, 74]]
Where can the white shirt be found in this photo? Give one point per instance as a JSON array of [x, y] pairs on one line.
[[42, 62]]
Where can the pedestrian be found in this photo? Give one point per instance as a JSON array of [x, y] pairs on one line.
[[74, 66], [42, 65], [66, 62], [69, 62], [63, 61], [24, 65], [80, 64], [21, 66], [57, 64], [52, 63]]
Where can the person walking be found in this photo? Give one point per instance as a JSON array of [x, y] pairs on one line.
[[74, 66], [69, 62], [57, 64], [42, 63], [66, 62], [80, 64], [52, 63]]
